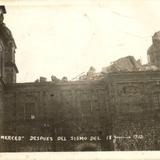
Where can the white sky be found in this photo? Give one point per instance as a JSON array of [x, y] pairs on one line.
[[65, 38]]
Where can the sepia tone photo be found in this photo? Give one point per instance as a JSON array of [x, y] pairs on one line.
[[79, 76]]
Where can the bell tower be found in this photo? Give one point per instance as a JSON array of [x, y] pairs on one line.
[[154, 50], [8, 68]]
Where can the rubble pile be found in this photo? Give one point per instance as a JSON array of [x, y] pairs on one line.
[[54, 79], [123, 64], [91, 75]]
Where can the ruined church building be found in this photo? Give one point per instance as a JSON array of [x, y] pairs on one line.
[[123, 103]]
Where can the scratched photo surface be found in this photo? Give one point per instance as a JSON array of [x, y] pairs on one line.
[[79, 76]]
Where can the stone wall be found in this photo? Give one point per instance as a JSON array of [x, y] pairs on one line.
[[122, 104], [135, 99], [65, 109], [1, 112]]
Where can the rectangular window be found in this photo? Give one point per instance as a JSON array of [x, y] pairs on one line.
[[29, 111], [156, 100]]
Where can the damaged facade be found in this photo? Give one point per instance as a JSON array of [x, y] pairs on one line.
[[122, 100]]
